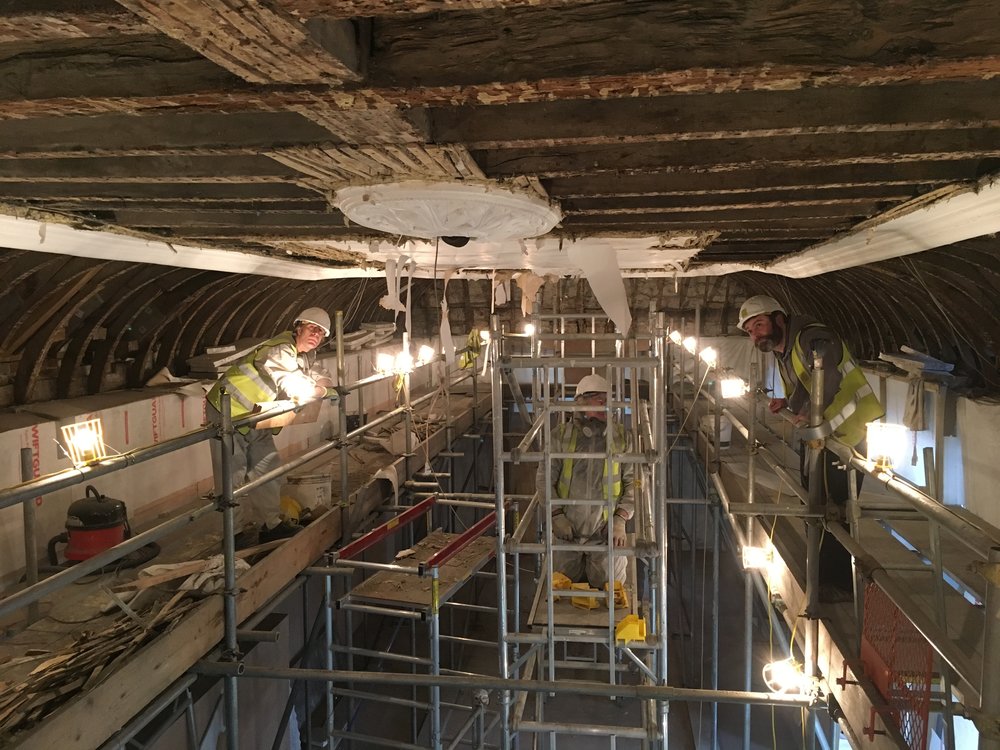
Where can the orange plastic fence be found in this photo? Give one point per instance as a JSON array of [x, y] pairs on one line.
[[899, 661]]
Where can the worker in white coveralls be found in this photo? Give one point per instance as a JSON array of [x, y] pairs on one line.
[[587, 479], [279, 369]]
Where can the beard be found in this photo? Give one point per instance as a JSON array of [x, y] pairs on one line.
[[773, 339]]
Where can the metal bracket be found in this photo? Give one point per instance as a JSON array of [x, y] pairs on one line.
[[815, 433]]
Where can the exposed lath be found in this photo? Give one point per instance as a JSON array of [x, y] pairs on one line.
[[332, 167], [258, 43]]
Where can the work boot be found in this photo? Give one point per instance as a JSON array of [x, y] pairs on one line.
[[248, 537], [283, 530]]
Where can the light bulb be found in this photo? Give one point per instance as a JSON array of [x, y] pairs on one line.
[[690, 343], [484, 336], [383, 363], [886, 444], [529, 329], [403, 363], [733, 386], [425, 354], [675, 336], [709, 356], [757, 558], [786, 676], [84, 441]]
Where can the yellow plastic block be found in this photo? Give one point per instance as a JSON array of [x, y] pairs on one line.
[[621, 598], [560, 582], [631, 628], [584, 602]]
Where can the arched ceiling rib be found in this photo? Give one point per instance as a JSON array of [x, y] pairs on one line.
[[78, 322]]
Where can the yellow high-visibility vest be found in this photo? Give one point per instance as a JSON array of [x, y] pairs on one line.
[[244, 382], [566, 475], [855, 403]]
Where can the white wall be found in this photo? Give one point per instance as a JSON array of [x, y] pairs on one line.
[[134, 419]]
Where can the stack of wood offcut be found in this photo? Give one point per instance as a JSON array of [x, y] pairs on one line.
[[91, 658]]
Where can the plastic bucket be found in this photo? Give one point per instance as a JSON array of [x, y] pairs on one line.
[[310, 490], [725, 430]]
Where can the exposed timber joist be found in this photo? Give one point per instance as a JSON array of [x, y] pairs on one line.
[[745, 153], [762, 178], [195, 85], [257, 42]]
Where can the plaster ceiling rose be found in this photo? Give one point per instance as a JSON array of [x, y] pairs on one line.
[[419, 208]]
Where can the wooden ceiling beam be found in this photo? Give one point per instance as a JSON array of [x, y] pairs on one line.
[[258, 42], [744, 153], [364, 8], [46, 20], [909, 175], [678, 117], [854, 209], [157, 75], [617, 38], [672, 223], [163, 133], [148, 169], [155, 192], [760, 199], [140, 218], [67, 19]]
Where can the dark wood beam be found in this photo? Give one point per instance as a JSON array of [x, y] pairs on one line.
[[148, 169], [356, 8], [861, 195], [234, 219], [107, 207], [155, 192], [164, 133], [909, 175], [258, 42], [79, 70], [268, 235], [857, 210], [67, 19], [744, 153], [45, 20], [955, 105], [625, 37], [677, 223], [137, 75]]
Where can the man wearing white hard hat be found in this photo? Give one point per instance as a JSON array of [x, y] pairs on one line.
[[848, 405], [281, 368], [588, 479]]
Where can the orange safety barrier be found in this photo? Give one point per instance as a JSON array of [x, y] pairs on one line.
[[898, 660]]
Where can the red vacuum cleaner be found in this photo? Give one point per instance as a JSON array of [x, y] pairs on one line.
[[95, 523]]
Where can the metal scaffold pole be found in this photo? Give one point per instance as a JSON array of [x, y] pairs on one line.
[[661, 512], [231, 652], [498, 479], [814, 532]]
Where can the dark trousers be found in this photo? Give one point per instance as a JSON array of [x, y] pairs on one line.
[[834, 560]]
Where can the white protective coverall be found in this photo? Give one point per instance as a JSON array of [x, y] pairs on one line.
[[587, 523], [254, 453]]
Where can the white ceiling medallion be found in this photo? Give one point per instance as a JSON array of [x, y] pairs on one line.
[[417, 208]]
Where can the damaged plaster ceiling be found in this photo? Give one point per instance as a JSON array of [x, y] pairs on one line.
[[691, 137]]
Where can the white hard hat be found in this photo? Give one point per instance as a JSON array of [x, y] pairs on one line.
[[316, 315], [759, 305], [592, 384]]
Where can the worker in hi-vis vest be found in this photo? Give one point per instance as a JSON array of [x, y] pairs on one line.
[[848, 405], [587, 479], [279, 369]]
